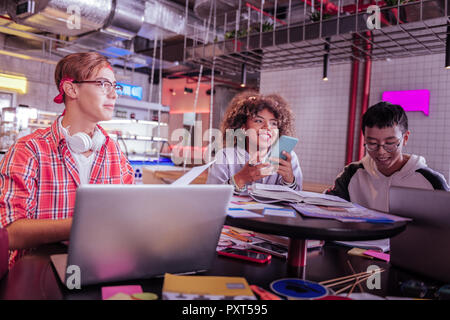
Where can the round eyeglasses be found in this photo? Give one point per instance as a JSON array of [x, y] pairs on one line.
[[388, 147], [106, 85]]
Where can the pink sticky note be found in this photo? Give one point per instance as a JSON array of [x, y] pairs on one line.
[[410, 100], [379, 255], [111, 291]]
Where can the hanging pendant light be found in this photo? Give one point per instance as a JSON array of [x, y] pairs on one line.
[[447, 47], [326, 60], [244, 75]]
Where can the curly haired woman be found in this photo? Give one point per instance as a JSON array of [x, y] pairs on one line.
[[252, 124]]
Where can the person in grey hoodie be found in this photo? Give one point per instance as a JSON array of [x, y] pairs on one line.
[[367, 182]]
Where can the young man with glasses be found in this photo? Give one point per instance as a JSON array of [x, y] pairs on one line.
[[367, 182], [39, 175]]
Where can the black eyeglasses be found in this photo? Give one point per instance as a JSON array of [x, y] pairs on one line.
[[106, 85], [389, 147]]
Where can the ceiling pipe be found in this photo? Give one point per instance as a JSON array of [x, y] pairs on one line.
[[207, 79], [353, 101], [366, 89], [330, 8], [266, 14]]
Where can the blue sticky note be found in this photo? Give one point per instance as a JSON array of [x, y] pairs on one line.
[[279, 212]]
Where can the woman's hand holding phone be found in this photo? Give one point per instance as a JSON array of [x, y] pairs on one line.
[[284, 167]]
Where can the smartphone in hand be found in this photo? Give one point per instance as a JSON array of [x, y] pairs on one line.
[[248, 255], [284, 143]]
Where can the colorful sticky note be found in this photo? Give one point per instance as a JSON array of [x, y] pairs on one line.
[[145, 296], [359, 252], [108, 292], [410, 100], [279, 212], [379, 255], [120, 296]]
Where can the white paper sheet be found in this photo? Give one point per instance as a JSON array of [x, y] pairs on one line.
[[191, 175], [242, 213], [280, 212]]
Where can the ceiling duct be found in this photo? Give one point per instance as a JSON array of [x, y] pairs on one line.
[[202, 7], [124, 23], [162, 19], [58, 16], [105, 25], [122, 18]]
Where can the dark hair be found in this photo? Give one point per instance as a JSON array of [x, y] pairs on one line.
[[249, 103], [384, 115]]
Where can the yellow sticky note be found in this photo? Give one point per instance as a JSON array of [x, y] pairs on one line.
[[120, 296], [359, 252]]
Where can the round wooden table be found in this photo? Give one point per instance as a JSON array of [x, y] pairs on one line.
[[299, 229]]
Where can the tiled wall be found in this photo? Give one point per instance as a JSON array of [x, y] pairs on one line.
[[429, 135], [321, 110]]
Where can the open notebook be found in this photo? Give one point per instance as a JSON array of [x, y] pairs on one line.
[[276, 193]]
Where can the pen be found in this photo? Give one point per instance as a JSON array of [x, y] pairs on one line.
[[264, 294], [372, 220], [239, 233]]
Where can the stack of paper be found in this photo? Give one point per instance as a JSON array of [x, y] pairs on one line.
[[275, 193], [377, 245], [356, 213]]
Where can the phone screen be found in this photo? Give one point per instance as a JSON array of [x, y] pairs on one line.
[[272, 247], [246, 253]]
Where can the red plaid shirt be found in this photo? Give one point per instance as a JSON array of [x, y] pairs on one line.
[[39, 177]]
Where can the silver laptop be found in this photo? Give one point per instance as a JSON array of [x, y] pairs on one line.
[[124, 232], [424, 246]]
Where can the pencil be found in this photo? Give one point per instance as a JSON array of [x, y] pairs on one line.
[[237, 236]]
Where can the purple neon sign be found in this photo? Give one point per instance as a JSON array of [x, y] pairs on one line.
[[410, 100]]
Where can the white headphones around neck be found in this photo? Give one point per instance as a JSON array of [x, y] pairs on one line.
[[81, 142]]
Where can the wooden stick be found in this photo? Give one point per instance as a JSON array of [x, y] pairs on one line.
[[354, 277], [349, 286], [353, 270], [353, 287], [347, 277], [346, 280]]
